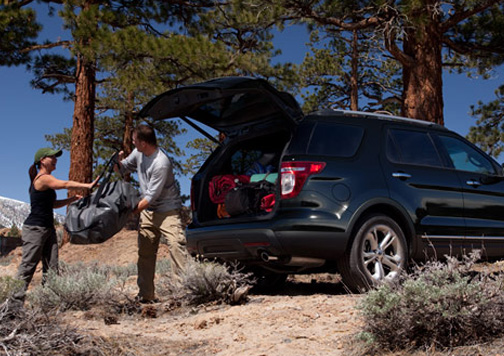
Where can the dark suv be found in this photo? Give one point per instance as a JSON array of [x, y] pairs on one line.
[[353, 192]]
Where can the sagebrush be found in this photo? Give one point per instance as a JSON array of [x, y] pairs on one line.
[[75, 287], [8, 287], [440, 305], [208, 281]]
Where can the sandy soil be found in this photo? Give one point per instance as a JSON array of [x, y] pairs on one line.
[[311, 315]]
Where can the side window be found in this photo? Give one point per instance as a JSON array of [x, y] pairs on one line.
[[412, 147], [326, 139], [335, 140], [466, 158], [301, 138]]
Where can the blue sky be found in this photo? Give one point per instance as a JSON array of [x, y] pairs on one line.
[[27, 114]]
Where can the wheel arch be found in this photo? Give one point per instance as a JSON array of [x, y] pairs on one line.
[[390, 209]]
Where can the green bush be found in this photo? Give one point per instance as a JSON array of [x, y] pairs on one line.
[[438, 305], [9, 286], [75, 287]]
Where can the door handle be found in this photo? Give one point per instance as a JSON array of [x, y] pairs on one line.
[[473, 183], [401, 175]]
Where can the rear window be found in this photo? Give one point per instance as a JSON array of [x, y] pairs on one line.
[[326, 139]]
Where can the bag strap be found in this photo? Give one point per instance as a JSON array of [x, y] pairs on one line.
[[106, 174]]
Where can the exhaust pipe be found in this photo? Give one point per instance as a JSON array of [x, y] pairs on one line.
[[266, 257]]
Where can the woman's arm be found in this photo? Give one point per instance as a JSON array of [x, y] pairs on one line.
[[63, 202], [49, 182]]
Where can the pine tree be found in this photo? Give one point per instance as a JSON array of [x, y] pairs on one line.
[[488, 133], [348, 72], [19, 31], [226, 40], [466, 33]]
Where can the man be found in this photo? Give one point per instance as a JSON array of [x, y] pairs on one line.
[[159, 210]]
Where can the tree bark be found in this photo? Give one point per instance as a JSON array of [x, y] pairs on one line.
[[81, 154], [129, 119], [354, 81], [423, 73]]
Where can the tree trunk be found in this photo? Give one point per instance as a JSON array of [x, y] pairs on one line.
[[127, 143], [423, 81], [354, 81], [81, 154], [128, 124]]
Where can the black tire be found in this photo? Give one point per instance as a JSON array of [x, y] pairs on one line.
[[378, 253]]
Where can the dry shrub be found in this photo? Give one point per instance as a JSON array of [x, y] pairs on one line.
[[206, 282], [76, 287], [31, 332], [439, 305], [8, 287]]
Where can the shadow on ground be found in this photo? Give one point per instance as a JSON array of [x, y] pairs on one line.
[[307, 285]]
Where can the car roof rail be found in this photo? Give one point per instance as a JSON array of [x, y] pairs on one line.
[[385, 115]]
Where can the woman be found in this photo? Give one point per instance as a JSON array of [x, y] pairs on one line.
[[39, 234]]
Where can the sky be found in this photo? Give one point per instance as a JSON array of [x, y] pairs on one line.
[[27, 115]]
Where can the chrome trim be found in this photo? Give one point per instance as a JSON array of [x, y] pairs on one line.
[[401, 175], [473, 183], [446, 237]]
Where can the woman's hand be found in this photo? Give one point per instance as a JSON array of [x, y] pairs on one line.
[[94, 183]]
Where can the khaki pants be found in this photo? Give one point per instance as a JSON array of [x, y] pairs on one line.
[[153, 225], [39, 243]]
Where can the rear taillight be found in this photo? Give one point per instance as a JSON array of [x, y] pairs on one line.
[[294, 175]]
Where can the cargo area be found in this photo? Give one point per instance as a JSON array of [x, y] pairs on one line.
[[241, 178]]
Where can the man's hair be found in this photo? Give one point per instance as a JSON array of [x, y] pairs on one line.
[[146, 133]]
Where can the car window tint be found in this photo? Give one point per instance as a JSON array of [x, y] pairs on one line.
[[412, 147], [243, 159], [301, 138], [466, 158], [335, 139]]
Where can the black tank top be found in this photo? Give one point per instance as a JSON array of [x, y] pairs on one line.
[[42, 203]]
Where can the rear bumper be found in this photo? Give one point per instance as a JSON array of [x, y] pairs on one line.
[[246, 242]]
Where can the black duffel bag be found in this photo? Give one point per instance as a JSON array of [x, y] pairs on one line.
[[99, 216], [246, 198]]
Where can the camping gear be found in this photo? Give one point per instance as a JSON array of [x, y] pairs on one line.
[[270, 177], [99, 216], [246, 199], [220, 185]]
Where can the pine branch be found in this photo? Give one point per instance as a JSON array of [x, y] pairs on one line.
[[307, 11], [395, 51], [46, 46], [469, 49], [17, 3], [460, 16]]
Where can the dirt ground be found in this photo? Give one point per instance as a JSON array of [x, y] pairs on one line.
[[311, 315]]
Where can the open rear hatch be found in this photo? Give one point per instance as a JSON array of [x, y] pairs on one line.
[[226, 104], [258, 121]]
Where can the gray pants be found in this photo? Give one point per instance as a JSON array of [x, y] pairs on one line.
[[39, 243]]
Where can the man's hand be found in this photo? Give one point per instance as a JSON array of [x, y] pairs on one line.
[[117, 163]]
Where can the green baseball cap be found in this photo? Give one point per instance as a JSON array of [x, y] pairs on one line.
[[45, 152]]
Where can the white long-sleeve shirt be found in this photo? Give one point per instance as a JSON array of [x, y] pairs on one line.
[[156, 178]]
